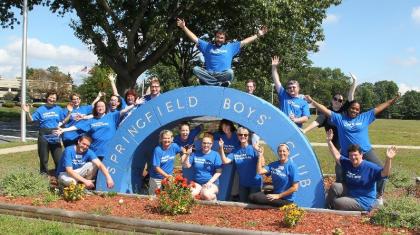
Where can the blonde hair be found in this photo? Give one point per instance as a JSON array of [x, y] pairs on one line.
[[164, 132]]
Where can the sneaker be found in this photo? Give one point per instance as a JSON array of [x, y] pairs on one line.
[[379, 202], [225, 84]]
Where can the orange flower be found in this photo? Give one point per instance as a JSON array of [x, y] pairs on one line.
[[165, 181], [157, 191], [178, 178], [184, 185]]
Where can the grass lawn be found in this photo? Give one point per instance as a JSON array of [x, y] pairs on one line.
[[8, 114], [382, 131], [16, 143], [19, 225]]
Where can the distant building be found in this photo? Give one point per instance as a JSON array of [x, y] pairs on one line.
[[36, 88]]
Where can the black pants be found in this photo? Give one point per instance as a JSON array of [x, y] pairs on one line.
[[44, 148]]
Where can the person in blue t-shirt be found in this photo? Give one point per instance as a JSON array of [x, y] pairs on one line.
[[246, 159], [207, 168], [187, 136], [102, 127], [357, 192], [163, 160], [80, 164], [77, 112], [291, 102], [49, 117], [218, 55], [285, 178], [353, 128]]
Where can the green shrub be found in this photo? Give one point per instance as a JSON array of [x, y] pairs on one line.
[[23, 182], [9, 105], [74, 192], [175, 196], [37, 105], [9, 96], [292, 214], [399, 212]]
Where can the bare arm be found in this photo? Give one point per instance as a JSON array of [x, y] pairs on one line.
[[101, 167], [112, 78], [130, 107], [310, 127], [286, 193], [185, 159], [98, 97], [27, 110], [299, 120], [319, 106], [381, 107], [333, 150], [215, 176], [260, 164], [88, 183], [274, 73], [263, 30], [390, 154], [162, 172], [225, 160], [352, 89], [190, 35]]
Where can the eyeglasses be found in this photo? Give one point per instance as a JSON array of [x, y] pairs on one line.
[[338, 100], [240, 134], [207, 143]]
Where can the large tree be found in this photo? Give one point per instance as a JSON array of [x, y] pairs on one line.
[[132, 36]]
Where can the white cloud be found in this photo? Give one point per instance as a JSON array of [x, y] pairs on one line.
[[415, 14], [40, 54], [407, 62], [331, 19], [403, 88]]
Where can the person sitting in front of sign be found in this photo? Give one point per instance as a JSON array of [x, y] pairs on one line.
[[285, 178], [246, 159], [291, 103], [357, 192], [207, 168], [79, 164], [163, 160], [102, 127], [49, 117], [218, 55]]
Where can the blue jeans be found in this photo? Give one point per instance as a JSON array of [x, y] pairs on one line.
[[244, 192], [212, 78]]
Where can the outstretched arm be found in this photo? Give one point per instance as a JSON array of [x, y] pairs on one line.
[[390, 154], [112, 78], [383, 106], [352, 90], [101, 167], [333, 150], [130, 107], [260, 164], [224, 159], [263, 30], [310, 127], [88, 183], [27, 110], [98, 97], [190, 35], [318, 106], [274, 73]]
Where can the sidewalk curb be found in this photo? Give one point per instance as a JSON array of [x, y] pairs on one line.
[[18, 149]]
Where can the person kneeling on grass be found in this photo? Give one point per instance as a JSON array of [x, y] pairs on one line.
[[284, 175], [207, 168], [358, 193], [80, 164]]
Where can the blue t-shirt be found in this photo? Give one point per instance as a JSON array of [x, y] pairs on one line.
[[246, 160], [70, 158], [48, 116], [229, 144], [205, 165], [293, 105], [81, 110], [190, 140], [353, 130], [101, 130], [218, 59], [283, 177], [165, 159], [361, 181], [123, 103]]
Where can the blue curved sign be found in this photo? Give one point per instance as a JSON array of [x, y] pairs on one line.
[[133, 144]]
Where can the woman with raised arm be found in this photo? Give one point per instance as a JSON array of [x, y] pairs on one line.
[[353, 127], [101, 127], [207, 168], [357, 193], [285, 178], [245, 159], [49, 117], [337, 105]]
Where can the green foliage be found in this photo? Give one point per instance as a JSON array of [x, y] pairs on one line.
[[47, 198], [399, 212], [74, 192], [175, 196], [102, 210], [24, 182], [292, 214], [9, 96], [97, 81], [409, 105], [9, 104]]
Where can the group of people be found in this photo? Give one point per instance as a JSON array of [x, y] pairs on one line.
[[87, 129]]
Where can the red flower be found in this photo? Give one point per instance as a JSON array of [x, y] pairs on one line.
[[157, 191], [184, 184], [179, 178], [165, 181]]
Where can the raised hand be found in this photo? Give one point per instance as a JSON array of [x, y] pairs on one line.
[[391, 152], [26, 108], [275, 61], [330, 135], [308, 99], [112, 77], [221, 143], [353, 78], [180, 23], [262, 31]]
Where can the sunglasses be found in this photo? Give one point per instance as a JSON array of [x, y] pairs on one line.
[[338, 100], [239, 134]]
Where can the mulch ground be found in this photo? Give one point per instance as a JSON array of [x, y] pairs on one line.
[[232, 217]]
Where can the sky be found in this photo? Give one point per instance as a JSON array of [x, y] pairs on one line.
[[374, 39]]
